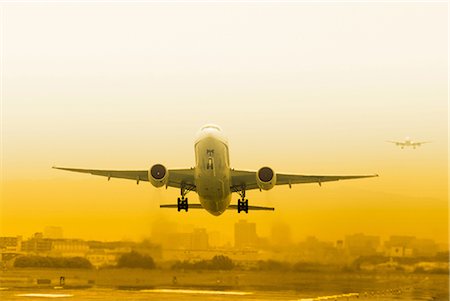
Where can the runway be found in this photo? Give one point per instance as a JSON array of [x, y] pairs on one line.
[[163, 294]]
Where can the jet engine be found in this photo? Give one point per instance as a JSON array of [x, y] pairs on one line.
[[266, 178], [158, 175]]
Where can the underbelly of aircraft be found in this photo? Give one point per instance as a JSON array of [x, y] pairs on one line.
[[214, 194]]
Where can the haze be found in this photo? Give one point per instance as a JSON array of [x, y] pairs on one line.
[[299, 87]]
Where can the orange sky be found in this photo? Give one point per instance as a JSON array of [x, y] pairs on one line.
[[303, 88]]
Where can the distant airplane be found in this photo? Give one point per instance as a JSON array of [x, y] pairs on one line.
[[408, 143], [212, 178]]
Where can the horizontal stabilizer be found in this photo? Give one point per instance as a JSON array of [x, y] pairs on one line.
[[191, 206], [253, 208], [233, 207]]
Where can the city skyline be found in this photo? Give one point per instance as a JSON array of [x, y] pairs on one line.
[[236, 241]]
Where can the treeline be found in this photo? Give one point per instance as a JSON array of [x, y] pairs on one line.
[[377, 259], [136, 260], [52, 262], [301, 266], [221, 262], [402, 264], [127, 260], [218, 262]]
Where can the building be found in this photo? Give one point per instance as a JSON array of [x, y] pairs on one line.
[[362, 245], [245, 235], [314, 250], [408, 246], [399, 246], [69, 248], [103, 257], [37, 245], [11, 243]]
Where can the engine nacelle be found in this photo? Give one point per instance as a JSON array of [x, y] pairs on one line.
[[158, 175], [266, 178]]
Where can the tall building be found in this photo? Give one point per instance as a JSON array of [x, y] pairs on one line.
[[245, 234]]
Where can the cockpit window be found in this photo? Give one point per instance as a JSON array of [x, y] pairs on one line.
[[212, 126]]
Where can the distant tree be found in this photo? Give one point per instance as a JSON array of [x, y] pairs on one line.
[[273, 265], [52, 262], [135, 260], [373, 259], [221, 262], [307, 266], [218, 262], [77, 262]]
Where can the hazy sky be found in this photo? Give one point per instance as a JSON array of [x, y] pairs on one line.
[[304, 88]]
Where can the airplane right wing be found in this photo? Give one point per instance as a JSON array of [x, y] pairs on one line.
[[420, 143], [177, 177], [247, 179]]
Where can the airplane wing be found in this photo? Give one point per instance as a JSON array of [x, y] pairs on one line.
[[396, 142], [247, 179], [420, 143], [177, 177]]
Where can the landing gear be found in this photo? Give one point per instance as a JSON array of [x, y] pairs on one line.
[[242, 203], [242, 206], [182, 203]]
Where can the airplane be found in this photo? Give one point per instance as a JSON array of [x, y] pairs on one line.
[[408, 143], [212, 178]]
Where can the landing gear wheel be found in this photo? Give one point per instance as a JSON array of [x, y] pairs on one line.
[[182, 204], [242, 202], [242, 205]]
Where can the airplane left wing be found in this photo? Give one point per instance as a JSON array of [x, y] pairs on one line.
[[396, 142], [177, 177], [247, 179]]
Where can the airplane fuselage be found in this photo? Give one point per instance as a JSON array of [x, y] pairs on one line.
[[212, 171]]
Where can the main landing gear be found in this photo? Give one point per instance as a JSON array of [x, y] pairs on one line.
[[242, 203], [182, 203]]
